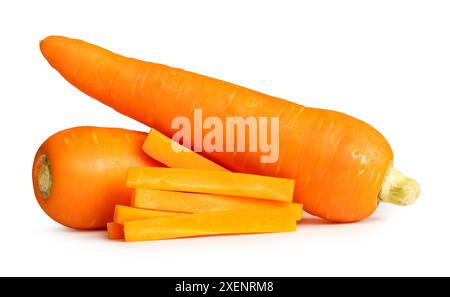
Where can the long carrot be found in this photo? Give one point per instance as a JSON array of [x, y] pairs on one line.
[[79, 174], [124, 214], [211, 182], [342, 166], [195, 203], [115, 231], [212, 223], [170, 153]]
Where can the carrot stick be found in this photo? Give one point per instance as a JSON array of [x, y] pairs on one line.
[[115, 231], [124, 214], [195, 202], [170, 153], [212, 223], [211, 182]]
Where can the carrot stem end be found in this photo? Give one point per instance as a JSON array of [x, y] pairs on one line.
[[399, 189], [44, 176]]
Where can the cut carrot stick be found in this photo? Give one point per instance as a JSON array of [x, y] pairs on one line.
[[115, 231], [195, 202], [124, 214], [212, 223], [172, 154], [211, 182]]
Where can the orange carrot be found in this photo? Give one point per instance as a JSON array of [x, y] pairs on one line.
[[211, 182], [212, 223], [79, 174], [124, 214], [194, 202], [341, 165], [115, 231], [172, 154]]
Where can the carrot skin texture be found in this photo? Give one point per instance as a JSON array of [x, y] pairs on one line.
[[339, 162], [124, 214], [195, 202], [211, 223], [211, 182], [88, 171], [115, 231]]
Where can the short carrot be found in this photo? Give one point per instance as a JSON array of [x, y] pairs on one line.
[[124, 214], [79, 174], [212, 223], [211, 182], [342, 166], [170, 153], [195, 203], [115, 231]]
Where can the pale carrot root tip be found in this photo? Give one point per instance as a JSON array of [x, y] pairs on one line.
[[399, 189]]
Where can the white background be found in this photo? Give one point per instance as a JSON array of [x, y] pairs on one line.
[[386, 62]]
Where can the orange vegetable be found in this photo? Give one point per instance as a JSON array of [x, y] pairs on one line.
[[124, 214], [79, 174], [341, 165], [211, 182], [194, 202], [212, 223], [115, 231], [172, 154]]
